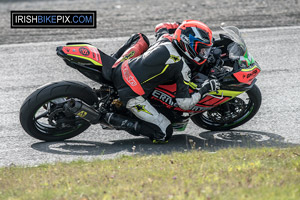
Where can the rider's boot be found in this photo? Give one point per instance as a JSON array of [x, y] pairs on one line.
[[159, 137], [137, 128], [121, 122]]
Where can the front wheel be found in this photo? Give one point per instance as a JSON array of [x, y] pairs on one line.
[[42, 115], [232, 113]]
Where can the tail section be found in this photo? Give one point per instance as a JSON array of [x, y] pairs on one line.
[[88, 59]]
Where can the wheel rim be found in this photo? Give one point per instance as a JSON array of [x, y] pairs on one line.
[[48, 117]]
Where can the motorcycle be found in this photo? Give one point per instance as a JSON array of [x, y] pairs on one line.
[[62, 110]]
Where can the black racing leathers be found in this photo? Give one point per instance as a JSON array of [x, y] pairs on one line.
[[160, 64]]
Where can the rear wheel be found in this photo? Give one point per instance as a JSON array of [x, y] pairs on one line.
[[42, 115], [232, 113]]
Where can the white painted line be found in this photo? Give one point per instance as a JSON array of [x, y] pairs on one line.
[[270, 29], [150, 37]]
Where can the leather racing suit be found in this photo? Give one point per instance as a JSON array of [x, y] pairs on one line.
[[136, 77]]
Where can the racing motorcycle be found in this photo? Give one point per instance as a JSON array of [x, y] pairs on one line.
[[62, 110]]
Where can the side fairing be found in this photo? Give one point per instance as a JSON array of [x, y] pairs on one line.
[[165, 94], [247, 75]]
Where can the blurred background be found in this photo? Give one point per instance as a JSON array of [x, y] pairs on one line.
[[118, 18]]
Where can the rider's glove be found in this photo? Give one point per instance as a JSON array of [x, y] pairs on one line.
[[171, 27], [209, 86]]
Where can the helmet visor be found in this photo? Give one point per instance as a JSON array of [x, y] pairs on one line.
[[203, 51]]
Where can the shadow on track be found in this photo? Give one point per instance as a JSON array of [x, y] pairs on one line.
[[209, 141]]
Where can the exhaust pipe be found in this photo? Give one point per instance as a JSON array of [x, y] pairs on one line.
[[118, 121], [83, 111]]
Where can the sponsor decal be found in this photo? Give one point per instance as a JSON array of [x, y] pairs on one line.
[[131, 80], [247, 75], [130, 55], [164, 97], [128, 77], [169, 103], [82, 114], [251, 74], [84, 51], [140, 108], [175, 58]]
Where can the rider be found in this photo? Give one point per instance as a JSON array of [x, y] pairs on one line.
[[178, 49]]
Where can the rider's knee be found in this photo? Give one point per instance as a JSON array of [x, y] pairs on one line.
[[135, 38]]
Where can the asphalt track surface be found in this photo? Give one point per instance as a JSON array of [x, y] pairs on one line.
[[120, 18], [30, 65]]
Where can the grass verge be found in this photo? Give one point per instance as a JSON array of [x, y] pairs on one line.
[[262, 173]]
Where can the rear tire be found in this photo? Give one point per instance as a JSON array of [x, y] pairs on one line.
[[41, 100], [203, 120]]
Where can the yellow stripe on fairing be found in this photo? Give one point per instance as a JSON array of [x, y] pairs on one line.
[[86, 58], [156, 74], [227, 93], [248, 70]]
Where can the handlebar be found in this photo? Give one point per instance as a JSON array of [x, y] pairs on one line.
[[217, 72]]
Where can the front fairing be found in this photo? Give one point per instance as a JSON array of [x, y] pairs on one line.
[[247, 68]]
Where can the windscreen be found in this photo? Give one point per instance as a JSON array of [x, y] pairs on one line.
[[238, 48]]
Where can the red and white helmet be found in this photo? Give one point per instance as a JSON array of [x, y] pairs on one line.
[[194, 39]]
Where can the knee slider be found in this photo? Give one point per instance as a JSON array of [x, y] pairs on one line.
[[169, 132]]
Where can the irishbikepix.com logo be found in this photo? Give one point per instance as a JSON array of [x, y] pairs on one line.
[[53, 19]]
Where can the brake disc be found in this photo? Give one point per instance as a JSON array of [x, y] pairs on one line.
[[228, 113]]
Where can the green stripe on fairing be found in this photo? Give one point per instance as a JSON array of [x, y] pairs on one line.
[[246, 57]]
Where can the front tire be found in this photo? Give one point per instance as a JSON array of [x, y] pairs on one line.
[[49, 100], [215, 119]]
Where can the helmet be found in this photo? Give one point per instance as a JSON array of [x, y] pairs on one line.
[[194, 39]]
